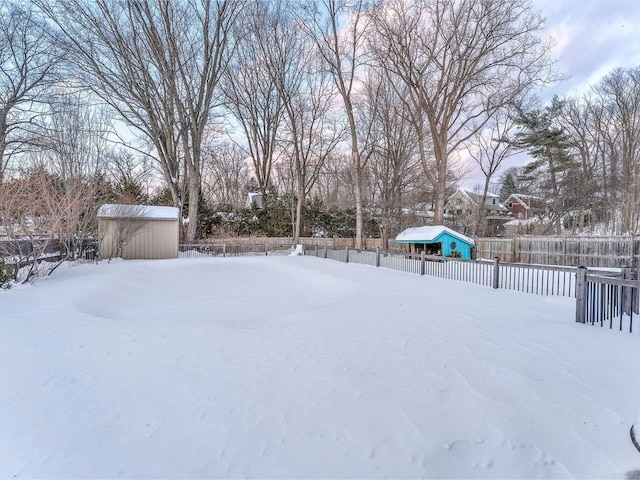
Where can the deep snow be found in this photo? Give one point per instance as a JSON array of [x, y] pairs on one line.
[[303, 367]]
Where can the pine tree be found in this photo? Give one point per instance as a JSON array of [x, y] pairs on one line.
[[546, 141]]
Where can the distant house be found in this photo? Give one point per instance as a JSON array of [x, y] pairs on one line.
[[465, 202], [524, 207], [436, 240], [138, 231], [254, 199]]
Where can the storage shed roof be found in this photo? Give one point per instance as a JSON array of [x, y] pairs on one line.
[[429, 234], [142, 212]]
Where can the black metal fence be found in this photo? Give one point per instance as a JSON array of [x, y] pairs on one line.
[[608, 302], [535, 279], [203, 250], [604, 297]]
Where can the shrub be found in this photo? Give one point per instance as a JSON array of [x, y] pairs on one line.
[[6, 273]]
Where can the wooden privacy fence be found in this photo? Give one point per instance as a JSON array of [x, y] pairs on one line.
[[368, 243], [535, 279], [570, 251], [610, 251]]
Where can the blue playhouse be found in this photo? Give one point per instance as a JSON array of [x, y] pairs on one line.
[[436, 240]]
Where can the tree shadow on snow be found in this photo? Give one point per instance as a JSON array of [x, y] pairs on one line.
[[633, 475]]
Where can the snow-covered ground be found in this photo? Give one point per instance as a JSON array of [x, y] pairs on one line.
[[301, 367]]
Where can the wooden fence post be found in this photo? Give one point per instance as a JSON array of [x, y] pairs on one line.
[[266, 249], [581, 294], [224, 250], [496, 272], [347, 256], [422, 262], [325, 251], [377, 257], [317, 248]]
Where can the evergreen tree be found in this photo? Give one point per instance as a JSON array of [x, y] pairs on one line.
[[546, 141]]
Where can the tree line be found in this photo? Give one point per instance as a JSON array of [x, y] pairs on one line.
[[370, 107]]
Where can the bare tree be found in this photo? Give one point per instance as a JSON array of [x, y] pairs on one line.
[[460, 62], [157, 64], [334, 184], [579, 116], [28, 62], [489, 148], [251, 84], [311, 129], [394, 163], [225, 175], [342, 45], [621, 91], [131, 176], [34, 209]]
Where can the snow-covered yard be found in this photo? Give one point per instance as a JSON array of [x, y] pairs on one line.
[[301, 367]]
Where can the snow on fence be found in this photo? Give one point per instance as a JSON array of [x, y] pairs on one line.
[[231, 250]]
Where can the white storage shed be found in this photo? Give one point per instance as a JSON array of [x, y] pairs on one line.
[[138, 231]]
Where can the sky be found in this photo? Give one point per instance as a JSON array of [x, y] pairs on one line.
[[592, 37]]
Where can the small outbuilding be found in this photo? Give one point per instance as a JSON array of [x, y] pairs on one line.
[[437, 240], [138, 231]]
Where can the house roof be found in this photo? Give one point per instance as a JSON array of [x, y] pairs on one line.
[[476, 198], [522, 199], [255, 197], [429, 234], [143, 212]]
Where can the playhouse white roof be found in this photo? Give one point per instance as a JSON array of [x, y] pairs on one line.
[[146, 212], [429, 233]]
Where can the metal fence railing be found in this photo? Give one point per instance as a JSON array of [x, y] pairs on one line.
[[536, 279], [604, 297], [230, 250], [608, 302]]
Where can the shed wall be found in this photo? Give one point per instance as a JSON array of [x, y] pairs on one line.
[[149, 239], [461, 246]]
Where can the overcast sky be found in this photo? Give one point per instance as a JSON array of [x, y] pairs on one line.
[[592, 38]]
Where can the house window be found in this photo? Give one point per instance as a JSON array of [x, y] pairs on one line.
[[494, 201], [510, 204]]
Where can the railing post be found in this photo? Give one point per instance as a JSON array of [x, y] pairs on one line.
[[581, 294], [266, 249], [422, 262], [325, 251], [347, 257], [377, 257], [626, 291], [317, 248], [496, 272], [224, 250]]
